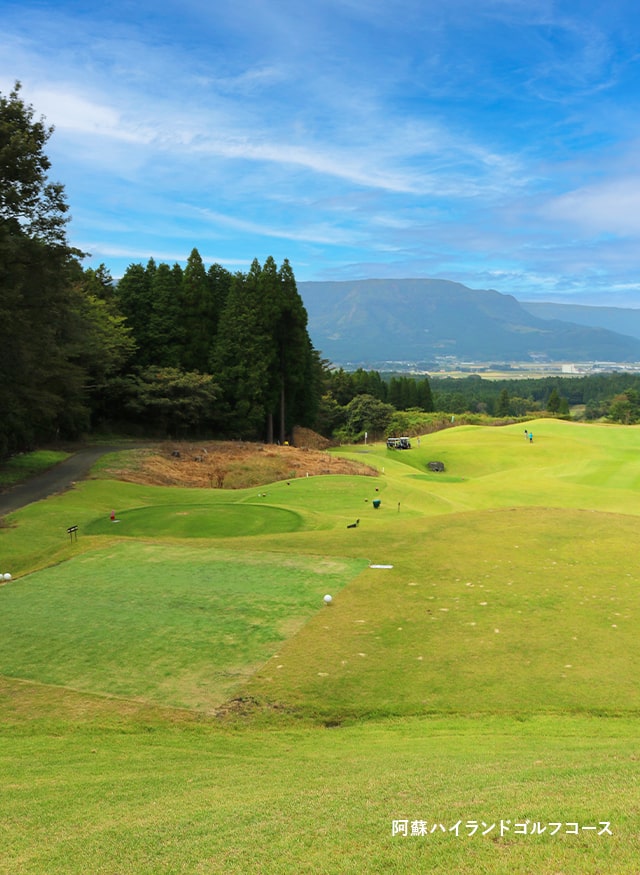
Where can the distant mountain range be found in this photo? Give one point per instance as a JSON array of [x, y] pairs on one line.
[[369, 322], [620, 319]]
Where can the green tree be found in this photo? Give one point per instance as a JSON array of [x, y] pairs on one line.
[[101, 339], [340, 384], [330, 416], [42, 387], [219, 280], [99, 283], [165, 331], [242, 358], [367, 414], [553, 401], [135, 301], [503, 403], [168, 401], [625, 407], [30, 204], [198, 316], [297, 367], [270, 375], [425, 398], [519, 406]]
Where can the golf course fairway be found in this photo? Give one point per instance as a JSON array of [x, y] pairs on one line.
[[176, 695]]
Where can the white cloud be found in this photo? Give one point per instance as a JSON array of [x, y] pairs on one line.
[[74, 113], [327, 234], [142, 255], [611, 207]]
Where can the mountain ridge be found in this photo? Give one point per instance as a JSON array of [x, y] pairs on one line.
[[426, 320]]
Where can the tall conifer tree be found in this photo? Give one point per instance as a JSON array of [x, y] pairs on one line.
[[135, 300], [242, 357], [197, 315]]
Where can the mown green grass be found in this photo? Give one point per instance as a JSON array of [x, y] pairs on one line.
[[490, 674], [197, 521], [183, 798], [182, 626]]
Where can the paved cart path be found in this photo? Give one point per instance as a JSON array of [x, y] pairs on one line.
[[57, 479]]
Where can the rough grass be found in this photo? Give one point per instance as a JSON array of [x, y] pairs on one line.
[[25, 465], [489, 675]]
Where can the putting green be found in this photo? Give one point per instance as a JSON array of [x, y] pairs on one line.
[[198, 521]]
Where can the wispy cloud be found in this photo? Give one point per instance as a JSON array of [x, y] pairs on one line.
[[611, 207]]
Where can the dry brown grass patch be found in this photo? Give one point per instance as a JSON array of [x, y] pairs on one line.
[[227, 464]]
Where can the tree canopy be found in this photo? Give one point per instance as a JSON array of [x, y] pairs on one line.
[[58, 335]]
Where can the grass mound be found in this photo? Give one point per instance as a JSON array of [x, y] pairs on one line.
[[197, 521]]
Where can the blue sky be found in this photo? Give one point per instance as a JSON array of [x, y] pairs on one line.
[[491, 142]]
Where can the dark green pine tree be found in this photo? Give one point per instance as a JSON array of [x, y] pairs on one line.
[[198, 321], [242, 357], [219, 281], [395, 393], [297, 375], [270, 374], [554, 401], [425, 397], [503, 404], [165, 328], [340, 384], [99, 283], [271, 304], [135, 301], [178, 274]]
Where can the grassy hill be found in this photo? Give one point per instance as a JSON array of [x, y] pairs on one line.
[[177, 697]]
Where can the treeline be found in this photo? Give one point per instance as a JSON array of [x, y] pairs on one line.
[[610, 395], [359, 403]]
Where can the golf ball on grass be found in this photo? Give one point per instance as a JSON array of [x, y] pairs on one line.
[[7, 576], [328, 599]]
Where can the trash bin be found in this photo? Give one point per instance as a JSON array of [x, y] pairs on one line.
[[376, 503]]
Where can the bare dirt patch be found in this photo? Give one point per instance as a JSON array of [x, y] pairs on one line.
[[226, 465]]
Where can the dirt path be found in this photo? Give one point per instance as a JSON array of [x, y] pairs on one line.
[[57, 479]]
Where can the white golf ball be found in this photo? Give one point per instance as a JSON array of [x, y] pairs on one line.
[[327, 600], [6, 576]]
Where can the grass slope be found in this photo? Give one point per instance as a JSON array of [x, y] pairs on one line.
[[490, 675]]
